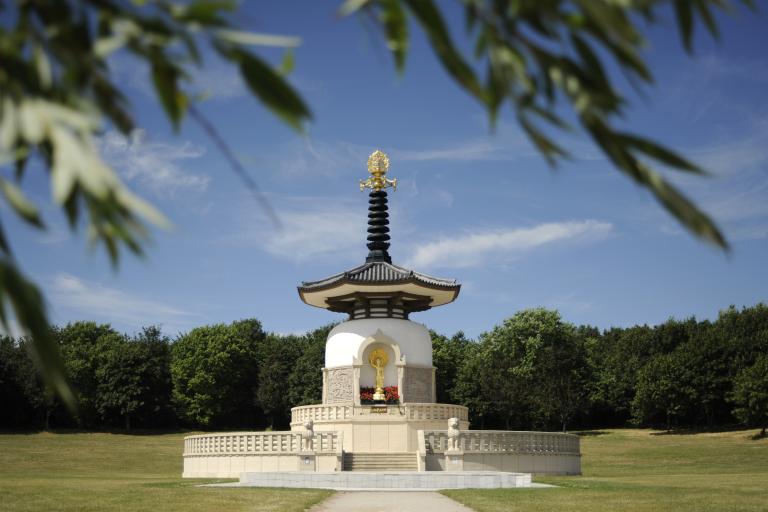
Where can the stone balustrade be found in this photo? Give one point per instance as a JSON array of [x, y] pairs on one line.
[[227, 455], [246, 443], [489, 441], [436, 412], [412, 411], [320, 413]]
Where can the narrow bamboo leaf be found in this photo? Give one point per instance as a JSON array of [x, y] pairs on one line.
[[659, 152], [681, 207], [205, 12], [272, 89], [548, 149], [396, 29], [20, 203], [254, 38], [288, 63], [706, 15], [28, 306], [684, 13], [352, 6], [431, 20], [165, 77]]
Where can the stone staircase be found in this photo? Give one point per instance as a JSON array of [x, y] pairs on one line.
[[379, 462]]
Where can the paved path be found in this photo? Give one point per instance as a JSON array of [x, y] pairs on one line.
[[389, 501]]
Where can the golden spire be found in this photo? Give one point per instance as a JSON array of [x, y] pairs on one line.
[[378, 164]]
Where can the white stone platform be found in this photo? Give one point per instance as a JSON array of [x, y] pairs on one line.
[[387, 480]]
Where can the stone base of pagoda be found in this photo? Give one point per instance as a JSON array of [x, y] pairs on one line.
[[369, 428]]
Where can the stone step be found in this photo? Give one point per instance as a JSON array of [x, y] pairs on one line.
[[380, 462]]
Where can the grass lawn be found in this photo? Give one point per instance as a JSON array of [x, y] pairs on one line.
[[644, 471], [104, 472]]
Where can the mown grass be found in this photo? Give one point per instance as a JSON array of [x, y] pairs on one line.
[[108, 472], [646, 471]]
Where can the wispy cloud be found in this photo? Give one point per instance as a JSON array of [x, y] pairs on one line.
[[333, 158], [154, 165], [474, 248], [94, 301], [312, 227], [471, 151]]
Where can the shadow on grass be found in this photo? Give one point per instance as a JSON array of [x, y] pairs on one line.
[[132, 432], [687, 431], [590, 433]]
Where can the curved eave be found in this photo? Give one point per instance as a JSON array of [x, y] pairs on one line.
[[438, 295]]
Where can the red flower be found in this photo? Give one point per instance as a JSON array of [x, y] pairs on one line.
[[391, 396]]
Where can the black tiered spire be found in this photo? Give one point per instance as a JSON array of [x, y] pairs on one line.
[[378, 216], [378, 227]]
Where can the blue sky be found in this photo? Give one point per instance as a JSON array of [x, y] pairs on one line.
[[475, 205]]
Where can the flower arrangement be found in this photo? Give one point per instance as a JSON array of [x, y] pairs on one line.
[[390, 393]]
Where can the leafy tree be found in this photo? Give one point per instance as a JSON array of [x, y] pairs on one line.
[[133, 380], [305, 382], [539, 58], [215, 374], [279, 354], [119, 385], [82, 345], [616, 357], [512, 354], [22, 396], [750, 395], [157, 409], [665, 390], [448, 354], [471, 390], [562, 391]]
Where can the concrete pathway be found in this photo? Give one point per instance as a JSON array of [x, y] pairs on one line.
[[389, 501]]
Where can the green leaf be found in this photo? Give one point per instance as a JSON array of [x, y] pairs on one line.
[[670, 198], [548, 149], [288, 63], [205, 12], [27, 303], [396, 29], [706, 15], [681, 207], [272, 89], [431, 21], [20, 203], [352, 6], [659, 152], [254, 38], [165, 77], [684, 13]]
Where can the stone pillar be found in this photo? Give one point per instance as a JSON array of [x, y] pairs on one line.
[[356, 384], [325, 386]]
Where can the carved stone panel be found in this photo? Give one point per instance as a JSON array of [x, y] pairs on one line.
[[417, 385], [340, 387]]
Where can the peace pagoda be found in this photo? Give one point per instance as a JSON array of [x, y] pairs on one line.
[[378, 412]]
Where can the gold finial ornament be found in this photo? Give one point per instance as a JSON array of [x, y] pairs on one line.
[[378, 165]]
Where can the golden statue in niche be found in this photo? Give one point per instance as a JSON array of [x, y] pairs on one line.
[[378, 359]]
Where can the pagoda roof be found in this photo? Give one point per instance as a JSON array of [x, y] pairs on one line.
[[375, 278]]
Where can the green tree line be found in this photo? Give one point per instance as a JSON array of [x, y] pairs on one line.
[[533, 371]]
